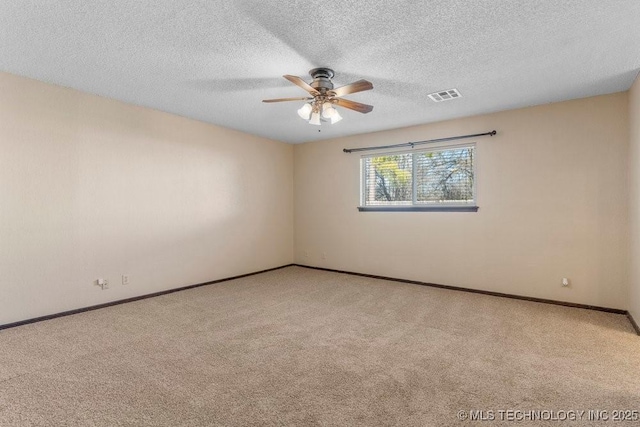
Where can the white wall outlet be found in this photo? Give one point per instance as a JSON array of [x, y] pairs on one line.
[[324, 255], [103, 283], [125, 279], [306, 254], [565, 281]]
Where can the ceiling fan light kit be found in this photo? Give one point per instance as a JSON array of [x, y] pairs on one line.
[[330, 113], [305, 111], [315, 119], [321, 105]]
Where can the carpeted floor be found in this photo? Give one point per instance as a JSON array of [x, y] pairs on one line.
[[297, 346]]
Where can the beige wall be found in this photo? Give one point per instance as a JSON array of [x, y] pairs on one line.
[[552, 191], [91, 187], [634, 191]]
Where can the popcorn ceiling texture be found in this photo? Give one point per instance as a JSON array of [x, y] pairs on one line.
[[216, 60]]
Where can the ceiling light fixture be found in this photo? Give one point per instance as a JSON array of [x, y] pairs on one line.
[[318, 110], [305, 111], [320, 106], [328, 112], [315, 118]]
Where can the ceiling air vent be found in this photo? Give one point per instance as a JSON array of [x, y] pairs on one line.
[[445, 95]]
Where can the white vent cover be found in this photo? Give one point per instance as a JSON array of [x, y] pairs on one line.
[[445, 95]]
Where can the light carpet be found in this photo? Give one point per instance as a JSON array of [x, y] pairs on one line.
[[303, 347]]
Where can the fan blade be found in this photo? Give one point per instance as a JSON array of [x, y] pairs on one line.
[[299, 82], [286, 99], [359, 86], [356, 106]]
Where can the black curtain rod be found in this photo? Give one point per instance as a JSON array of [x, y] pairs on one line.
[[412, 144]]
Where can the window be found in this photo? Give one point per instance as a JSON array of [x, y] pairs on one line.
[[437, 179]]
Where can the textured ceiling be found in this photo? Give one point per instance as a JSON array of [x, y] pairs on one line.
[[216, 60]]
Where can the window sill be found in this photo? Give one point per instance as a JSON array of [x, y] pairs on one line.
[[418, 208]]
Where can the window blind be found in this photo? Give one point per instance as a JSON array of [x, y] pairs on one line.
[[442, 176]]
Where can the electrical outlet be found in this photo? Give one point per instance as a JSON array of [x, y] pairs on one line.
[[324, 255], [565, 281], [306, 254], [125, 279], [103, 283]]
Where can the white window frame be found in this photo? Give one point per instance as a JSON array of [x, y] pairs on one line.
[[471, 206]]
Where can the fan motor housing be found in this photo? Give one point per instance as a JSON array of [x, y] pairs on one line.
[[322, 79]]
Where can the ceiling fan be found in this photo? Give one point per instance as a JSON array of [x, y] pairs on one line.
[[324, 97]]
